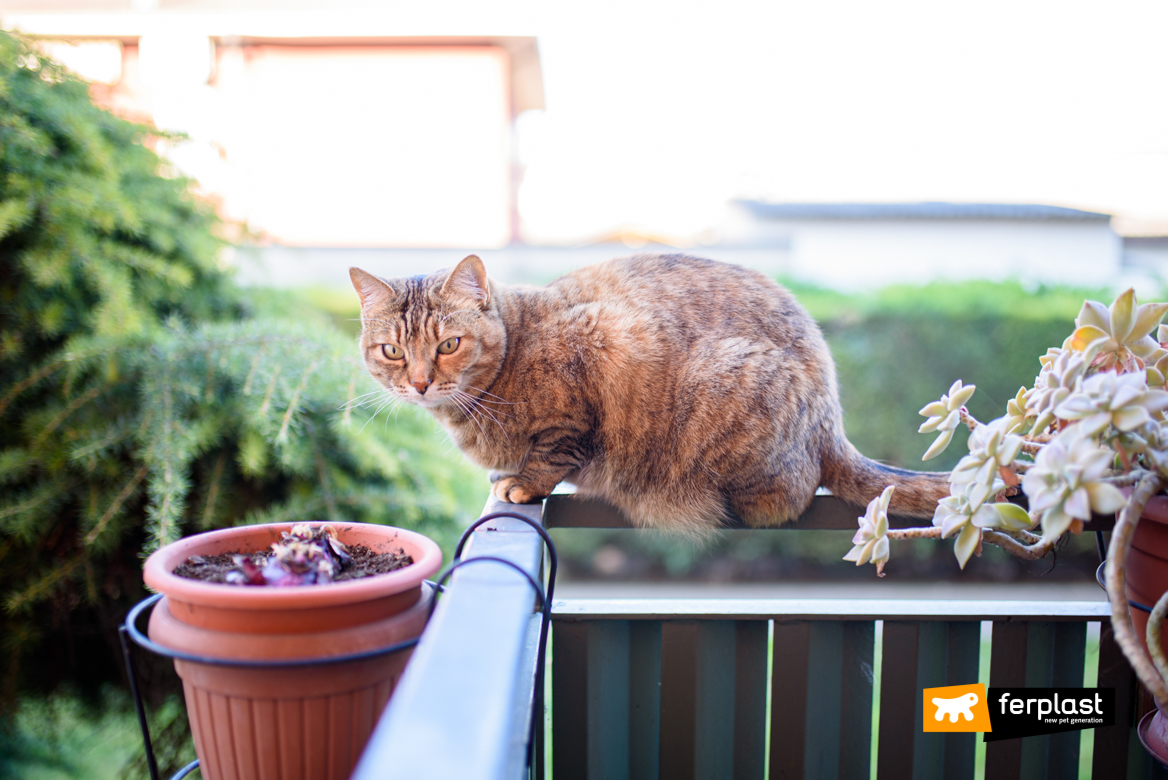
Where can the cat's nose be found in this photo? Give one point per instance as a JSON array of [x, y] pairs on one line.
[[421, 384]]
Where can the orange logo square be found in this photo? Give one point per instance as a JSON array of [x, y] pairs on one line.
[[956, 708]]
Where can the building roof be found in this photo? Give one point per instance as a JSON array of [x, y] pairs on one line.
[[290, 23], [925, 210]]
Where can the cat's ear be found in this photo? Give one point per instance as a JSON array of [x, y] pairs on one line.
[[468, 280], [373, 291]]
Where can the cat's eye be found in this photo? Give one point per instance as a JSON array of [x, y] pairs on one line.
[[392, 351], [448, 346]]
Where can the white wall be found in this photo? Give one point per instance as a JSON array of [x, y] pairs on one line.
[[859, 254]]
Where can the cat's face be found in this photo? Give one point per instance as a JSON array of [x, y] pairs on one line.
[[430, 340]]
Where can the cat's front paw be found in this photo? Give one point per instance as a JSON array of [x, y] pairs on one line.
[[512, 491]]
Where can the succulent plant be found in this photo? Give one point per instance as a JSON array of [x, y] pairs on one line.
[[1121, 332], [1119, 400], [1060, 374], [1066, 482], [964, 516], [991, 449], [871, 540], [944, 416], [1016, 413]]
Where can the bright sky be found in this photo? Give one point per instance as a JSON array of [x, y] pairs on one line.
[[659, 112]]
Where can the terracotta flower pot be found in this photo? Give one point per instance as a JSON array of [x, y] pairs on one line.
[[298, 722], [1147, 565]]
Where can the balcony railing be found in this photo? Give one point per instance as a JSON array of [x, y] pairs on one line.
[[713, 688]]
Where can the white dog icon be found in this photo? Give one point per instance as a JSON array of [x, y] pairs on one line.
[[962, 705]]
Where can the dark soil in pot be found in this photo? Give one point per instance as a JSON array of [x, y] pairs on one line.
[[365, 563]]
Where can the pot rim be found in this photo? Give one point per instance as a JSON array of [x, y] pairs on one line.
[[157, 571]]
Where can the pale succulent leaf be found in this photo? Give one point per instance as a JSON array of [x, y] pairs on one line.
[[1055, 522], [1078, 504], [1155, 400], [1012, 517], [1144, 349], [1010, 449], [1075, 406], [1130, 418], [930, 425], [1085, 336], [953, 524], [934, 409], [1105, 498], [961, 397], [966, 544], [1148, 317], [938, 446], [1094, 424], [1126, 395], [1094, 313], [1123, 315]]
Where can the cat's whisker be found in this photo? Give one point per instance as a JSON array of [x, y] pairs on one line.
[[478, 404], [473, 403], [500, 398], [470, 416], [362, 400], [388, 401]]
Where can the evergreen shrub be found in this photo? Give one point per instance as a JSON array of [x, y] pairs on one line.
[[143, 396]]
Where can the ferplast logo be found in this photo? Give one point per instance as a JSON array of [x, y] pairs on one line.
[[956, 708], [1027, 712]]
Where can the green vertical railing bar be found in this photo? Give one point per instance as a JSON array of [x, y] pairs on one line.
[[570, 700], [750, 694], [678, 698], [946, 654], [644, 699], [964, 660], [821, 699], [1070, 655], [928, 759], [792, 644], [1040, 649], [608, 700], [824, 687], [1008, 646], [713, 750], [856, 678], [898, 699]]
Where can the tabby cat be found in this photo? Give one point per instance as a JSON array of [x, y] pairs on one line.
[[676, 388]]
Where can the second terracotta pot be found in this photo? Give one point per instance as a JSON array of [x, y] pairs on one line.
[[1147, 565]]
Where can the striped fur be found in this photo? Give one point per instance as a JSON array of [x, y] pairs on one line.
[[676, 388]]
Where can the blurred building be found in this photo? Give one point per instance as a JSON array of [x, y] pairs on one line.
[[316, 124], [857, 245]]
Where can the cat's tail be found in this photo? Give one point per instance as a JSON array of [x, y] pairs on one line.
[[856, 479]]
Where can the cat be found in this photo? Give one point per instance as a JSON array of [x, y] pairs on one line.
[[676, 388]]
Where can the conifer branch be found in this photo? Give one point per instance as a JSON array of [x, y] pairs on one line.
[[213, 489], [38, 589], [283, 434], [268, 395], [113, 509], [73, 406]]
